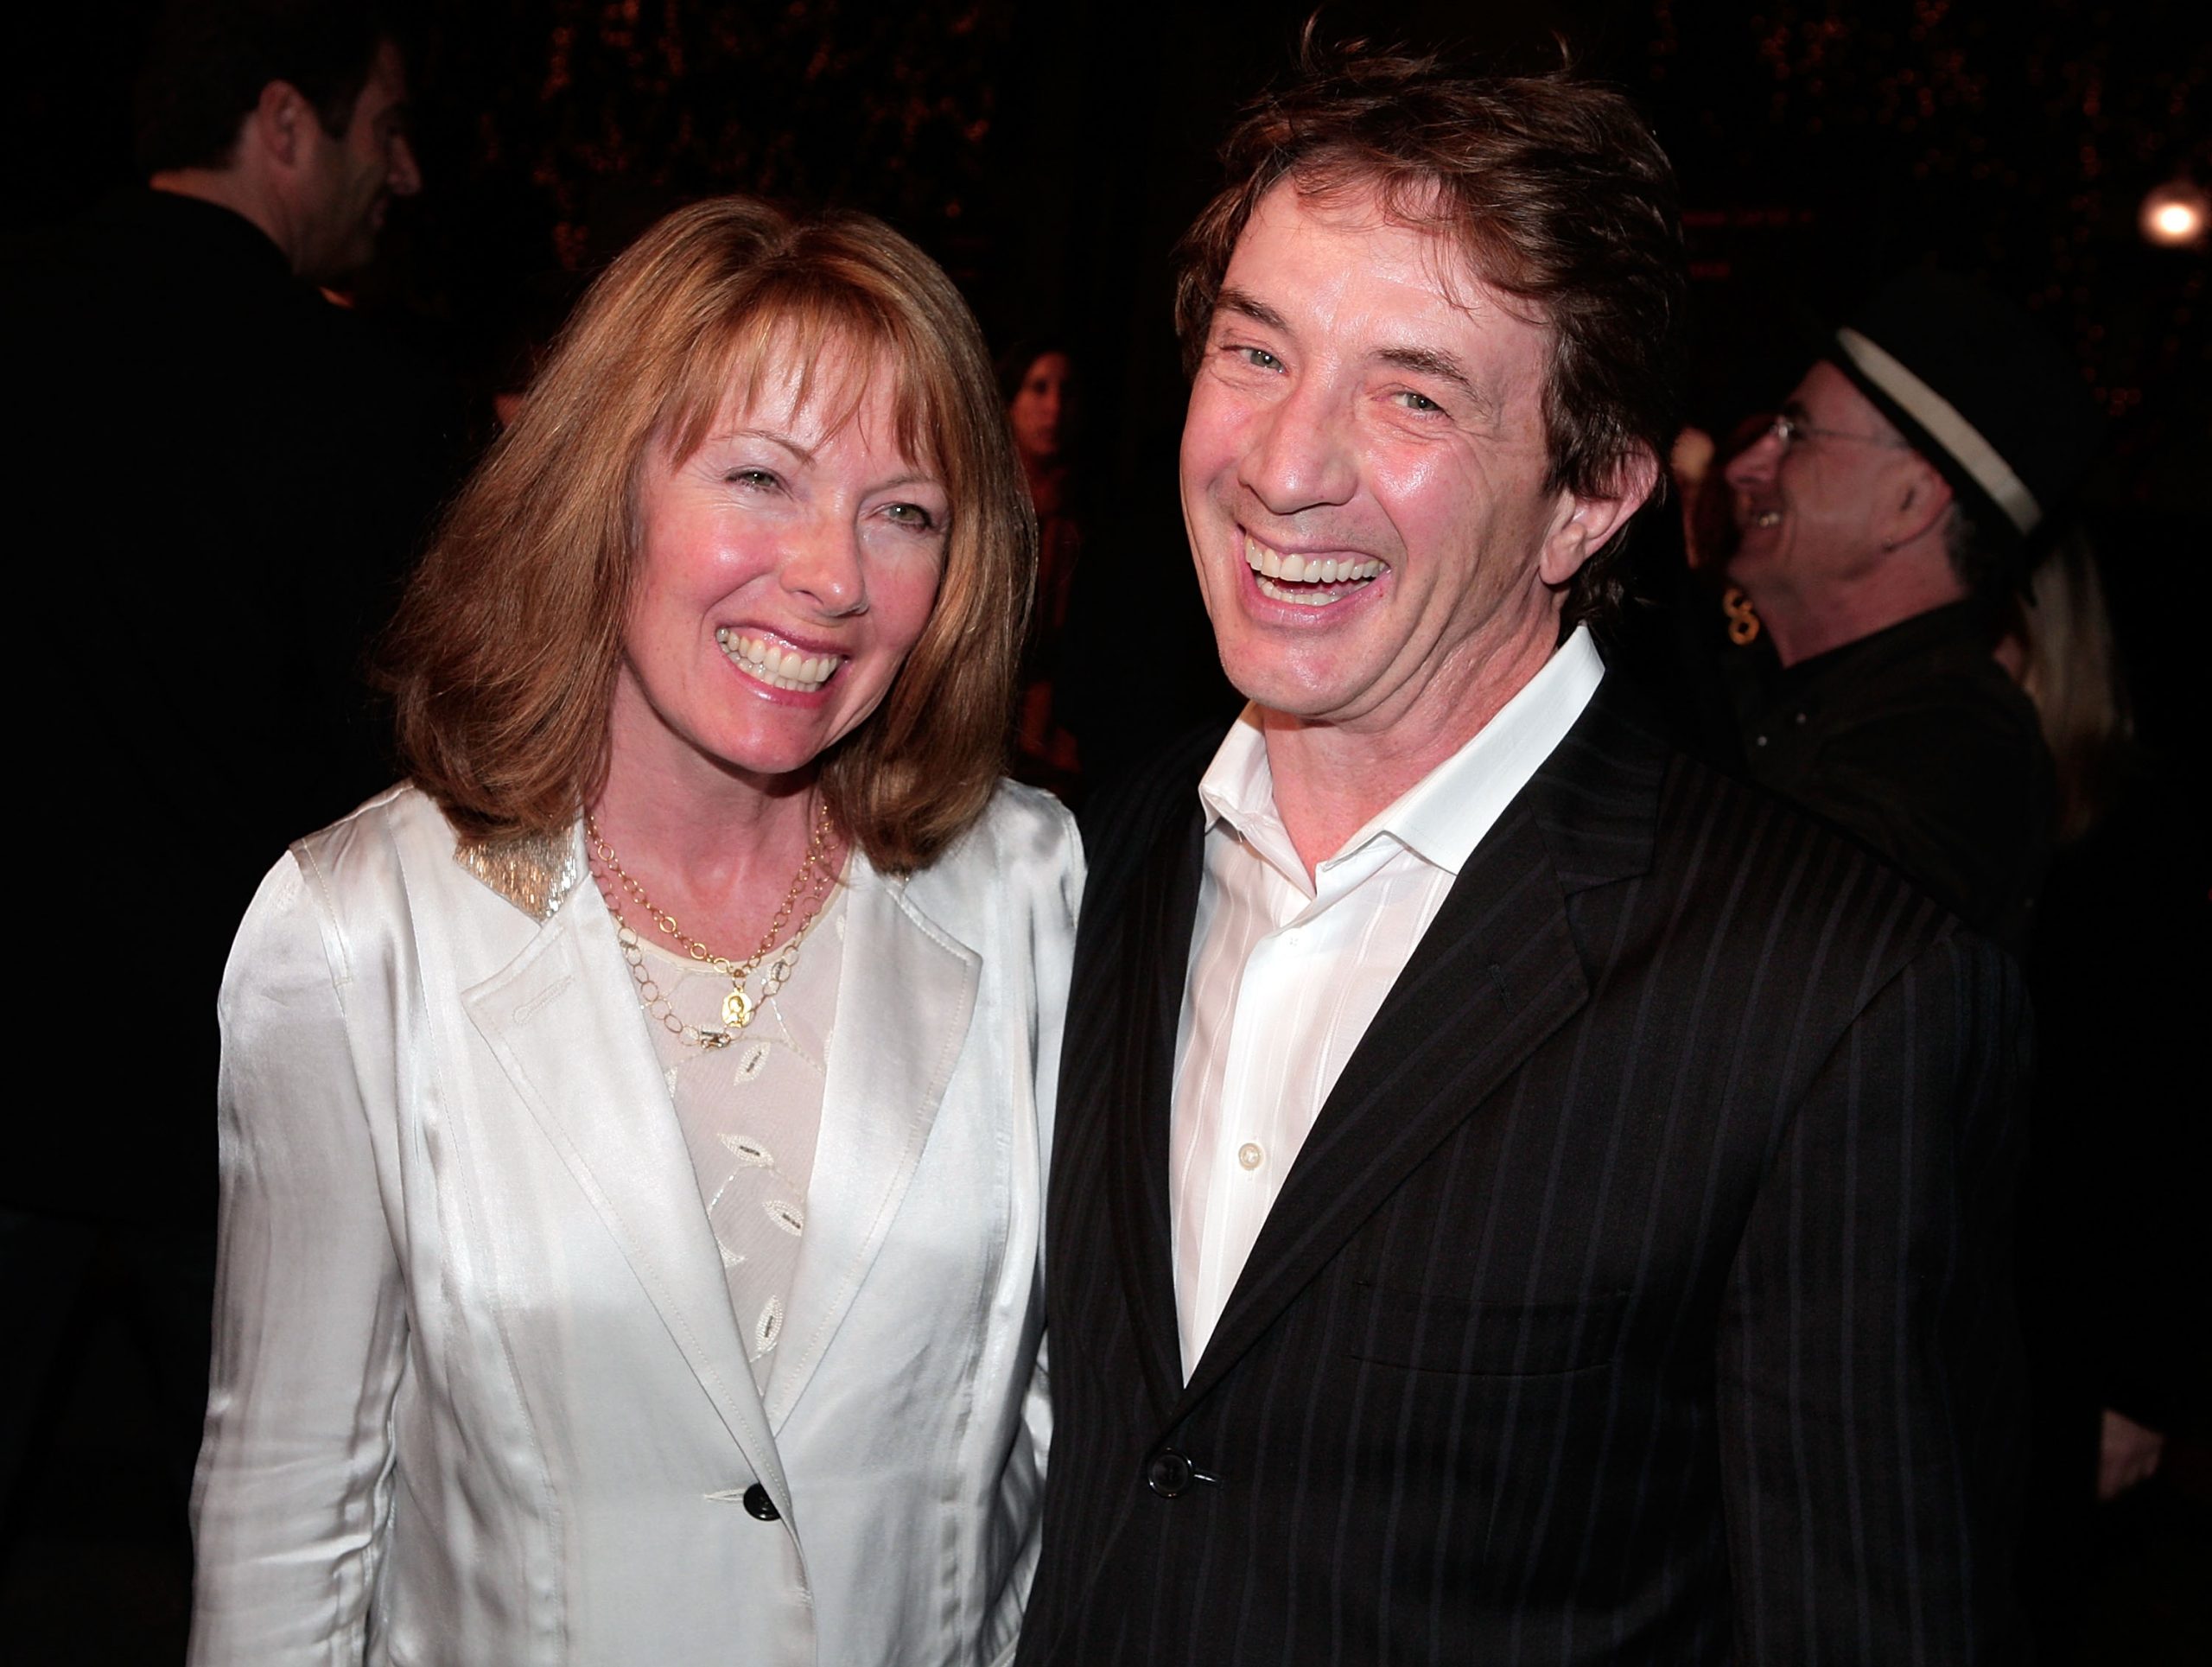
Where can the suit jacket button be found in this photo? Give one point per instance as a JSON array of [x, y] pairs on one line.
[[1167, 1473], [757, 1502]]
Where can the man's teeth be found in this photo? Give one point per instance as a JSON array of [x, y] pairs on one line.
[[782, 668], [1299, 571], [1270, 564], [1767, 517]]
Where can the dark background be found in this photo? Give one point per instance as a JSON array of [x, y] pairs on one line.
[[1049, 154]]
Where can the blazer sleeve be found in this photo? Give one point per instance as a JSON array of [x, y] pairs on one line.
[[1051, 955], [310, 1330], [1054, 952], [1869, 1375]]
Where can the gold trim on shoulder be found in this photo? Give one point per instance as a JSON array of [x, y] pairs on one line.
[[535, 872]]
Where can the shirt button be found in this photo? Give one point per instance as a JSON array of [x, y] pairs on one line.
[[1249, 1155], [757, 1502]]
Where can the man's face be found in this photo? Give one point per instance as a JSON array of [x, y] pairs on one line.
[[1364, 471], [350, 180], [1806, 511]]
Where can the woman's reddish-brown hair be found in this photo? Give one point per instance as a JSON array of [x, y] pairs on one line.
[[502, 661]]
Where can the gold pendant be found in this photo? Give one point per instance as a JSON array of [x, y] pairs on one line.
[[737, 1008]]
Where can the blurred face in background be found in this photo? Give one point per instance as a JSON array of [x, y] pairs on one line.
[[1039, 408], [1806, 509], [355, 175]]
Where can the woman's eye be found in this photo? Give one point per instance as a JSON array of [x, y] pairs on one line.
[[910, 515], [754, 479]]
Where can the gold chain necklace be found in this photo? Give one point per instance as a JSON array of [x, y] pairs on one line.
[[811, 882]]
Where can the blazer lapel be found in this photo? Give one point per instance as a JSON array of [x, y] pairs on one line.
[[905, 1002], [562, 1019], [1137, 1094], [1496, 973]]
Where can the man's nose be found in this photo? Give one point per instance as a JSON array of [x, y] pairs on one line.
[[1301, 456], [404, 177], [1754, 465], [823, 569]]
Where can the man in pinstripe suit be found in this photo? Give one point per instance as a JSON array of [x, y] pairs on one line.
[[1517, 1196]]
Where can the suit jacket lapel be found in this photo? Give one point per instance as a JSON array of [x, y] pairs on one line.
[[1498, 971], [562, 1019], [907, 998], [1138, 1090]]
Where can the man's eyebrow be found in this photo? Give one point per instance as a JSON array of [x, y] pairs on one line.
[[1428, 361], [1244, 304]]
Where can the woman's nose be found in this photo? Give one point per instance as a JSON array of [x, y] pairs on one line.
[[824, 568]]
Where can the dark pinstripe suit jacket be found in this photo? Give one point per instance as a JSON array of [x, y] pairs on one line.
[[1639, 1296]]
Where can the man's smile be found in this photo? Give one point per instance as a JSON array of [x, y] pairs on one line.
[[1313, 581]]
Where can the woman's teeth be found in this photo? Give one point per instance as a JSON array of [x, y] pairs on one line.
[[781, 668], [1767, 517], [1275, 571]]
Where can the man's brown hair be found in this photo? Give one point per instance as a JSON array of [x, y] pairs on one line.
[[503, 659], [1552, 189]]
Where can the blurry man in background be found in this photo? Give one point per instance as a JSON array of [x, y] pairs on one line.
[[1885, 515], [225, 474], [315, 160]]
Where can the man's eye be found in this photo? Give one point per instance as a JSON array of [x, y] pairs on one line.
[[1260, 357], [1417, 401]]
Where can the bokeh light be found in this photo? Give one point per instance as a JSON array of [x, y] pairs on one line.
[[2174, 215]]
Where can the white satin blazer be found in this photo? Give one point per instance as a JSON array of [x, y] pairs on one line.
[[479, 1393]]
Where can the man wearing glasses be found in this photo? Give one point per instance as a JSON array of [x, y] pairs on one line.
[[1886, 515]]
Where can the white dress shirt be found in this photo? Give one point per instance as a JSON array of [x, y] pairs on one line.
[[1285, 974]]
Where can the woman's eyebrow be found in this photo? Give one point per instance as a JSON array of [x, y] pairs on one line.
[[772, 437]]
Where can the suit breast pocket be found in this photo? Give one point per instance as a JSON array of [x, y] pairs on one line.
[[1426, 1331]]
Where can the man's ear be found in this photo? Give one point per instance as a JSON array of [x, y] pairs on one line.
[[1582, 525], [277, 125], [1917, 499]]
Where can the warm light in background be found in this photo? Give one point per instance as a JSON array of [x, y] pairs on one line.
[[2174, 215]]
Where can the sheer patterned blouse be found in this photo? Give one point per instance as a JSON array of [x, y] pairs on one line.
[[750, 1114]]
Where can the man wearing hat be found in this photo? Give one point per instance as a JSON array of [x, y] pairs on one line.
[[1888, 509]]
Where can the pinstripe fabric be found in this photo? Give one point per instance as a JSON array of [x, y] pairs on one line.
[[1639, 1294]]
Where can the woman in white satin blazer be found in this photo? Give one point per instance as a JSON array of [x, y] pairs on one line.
[[480, 1393]]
